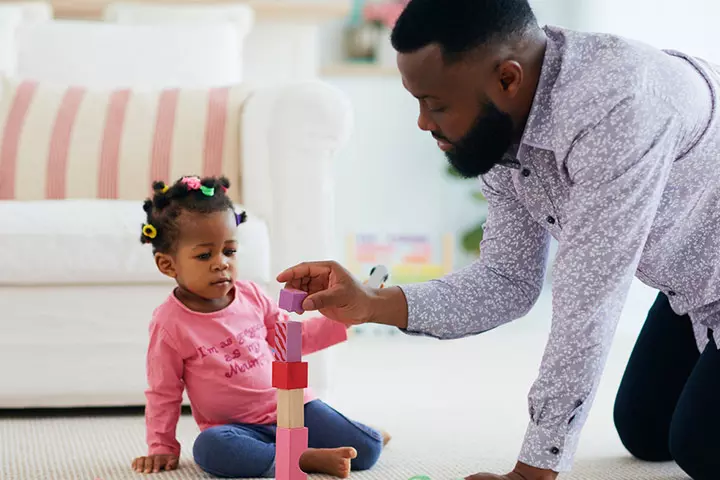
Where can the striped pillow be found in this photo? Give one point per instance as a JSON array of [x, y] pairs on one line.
[[71, 142]]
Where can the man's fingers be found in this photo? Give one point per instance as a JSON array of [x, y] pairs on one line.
[[321, 299], [306, 269], [158, 464]]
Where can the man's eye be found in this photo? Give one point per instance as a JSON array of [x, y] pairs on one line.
[[438, 109], [230, 252], [203, 256]]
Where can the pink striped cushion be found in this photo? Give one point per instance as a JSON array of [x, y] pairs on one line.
[[71, 142]]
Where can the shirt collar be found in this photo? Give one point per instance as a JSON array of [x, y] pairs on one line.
[[539, 126]]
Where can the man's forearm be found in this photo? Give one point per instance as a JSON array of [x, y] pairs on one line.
[[388, 306]]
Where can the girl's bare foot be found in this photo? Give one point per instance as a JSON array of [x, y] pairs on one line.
[[331, 461], [386, 437]]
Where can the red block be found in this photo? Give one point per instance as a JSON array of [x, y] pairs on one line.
[[290, 375]]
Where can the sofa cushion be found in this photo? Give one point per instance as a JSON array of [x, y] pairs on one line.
[[66, 142], [102, 55], [98, 241]]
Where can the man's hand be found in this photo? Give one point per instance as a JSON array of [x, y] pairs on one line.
[[155, 463], [332, 291], [520, 472]]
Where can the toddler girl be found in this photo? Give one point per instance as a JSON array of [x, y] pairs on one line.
[[213, 336]]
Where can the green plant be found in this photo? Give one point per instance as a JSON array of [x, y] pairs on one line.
[[471, 238]]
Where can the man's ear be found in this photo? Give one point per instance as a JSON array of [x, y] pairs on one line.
[[165, 264], [510, 77]]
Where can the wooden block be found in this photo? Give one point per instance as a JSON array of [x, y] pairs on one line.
[[288, 341], [289, 375], [291, 408], [292, 300], [290, 443]]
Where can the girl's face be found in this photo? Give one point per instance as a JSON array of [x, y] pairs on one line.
[[204, 263]]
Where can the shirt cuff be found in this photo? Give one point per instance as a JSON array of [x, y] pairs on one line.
[[422, 303], [163, 450], [549, 448]]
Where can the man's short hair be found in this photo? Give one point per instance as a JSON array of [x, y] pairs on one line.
[[460, 26]]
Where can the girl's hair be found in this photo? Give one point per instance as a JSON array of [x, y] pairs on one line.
[[190, 194]]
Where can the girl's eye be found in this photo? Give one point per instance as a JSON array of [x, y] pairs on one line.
[[230, 252], [203, 256]]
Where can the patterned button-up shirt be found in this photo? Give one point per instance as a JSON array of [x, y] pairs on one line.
[[620, 162]]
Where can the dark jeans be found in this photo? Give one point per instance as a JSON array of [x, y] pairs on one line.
[[667, 406], [248, 451]]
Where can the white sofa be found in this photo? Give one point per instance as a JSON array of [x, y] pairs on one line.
[[76, 286]]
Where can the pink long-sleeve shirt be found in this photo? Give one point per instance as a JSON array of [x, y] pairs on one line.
[[223, 359]]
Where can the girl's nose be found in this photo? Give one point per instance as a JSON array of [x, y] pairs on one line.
[[220, 266]]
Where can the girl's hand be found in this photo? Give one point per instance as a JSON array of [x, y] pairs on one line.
[[155, 463]]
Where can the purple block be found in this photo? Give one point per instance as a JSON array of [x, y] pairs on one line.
[[294, 342], [291, 300]]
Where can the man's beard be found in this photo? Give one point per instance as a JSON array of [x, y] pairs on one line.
[[484, 145]]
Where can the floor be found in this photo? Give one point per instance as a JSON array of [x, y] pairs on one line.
[[453, 408]]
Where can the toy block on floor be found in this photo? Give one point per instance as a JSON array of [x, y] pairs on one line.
[[292, 299], [288, 341], [290, 375], [291, 408], [290, 444]]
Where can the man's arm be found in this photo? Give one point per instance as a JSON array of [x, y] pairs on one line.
[[501, 286], [618, 170]]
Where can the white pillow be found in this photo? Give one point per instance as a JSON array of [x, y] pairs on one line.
[[103, 55], [10, 18], [239, 16]]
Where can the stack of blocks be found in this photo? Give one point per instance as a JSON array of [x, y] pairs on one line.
[[290, 377]]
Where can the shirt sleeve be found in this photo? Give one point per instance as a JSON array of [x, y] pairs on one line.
[[502, 285], [164, 393], [618, 171]]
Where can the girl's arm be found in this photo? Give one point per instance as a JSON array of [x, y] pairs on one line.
[[164, 393]]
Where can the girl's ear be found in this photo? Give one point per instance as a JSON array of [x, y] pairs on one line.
[[165, 264]]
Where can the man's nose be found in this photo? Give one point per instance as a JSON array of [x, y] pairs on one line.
[[425, 123]]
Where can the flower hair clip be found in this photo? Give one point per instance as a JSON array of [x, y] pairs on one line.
[[149, 231], [193, 183]]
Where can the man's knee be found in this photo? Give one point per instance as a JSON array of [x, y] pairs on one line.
[[639, 434], [691, 453]]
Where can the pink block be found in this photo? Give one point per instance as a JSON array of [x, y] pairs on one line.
[[291, 300], [290, 443], [288, 341]]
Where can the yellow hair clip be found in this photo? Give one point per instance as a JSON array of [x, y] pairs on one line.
[[149, 231], [165, 189]]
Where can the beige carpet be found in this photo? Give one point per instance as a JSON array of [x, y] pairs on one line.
[[453, 408]]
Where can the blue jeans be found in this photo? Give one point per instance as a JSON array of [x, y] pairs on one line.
[[248, 451]]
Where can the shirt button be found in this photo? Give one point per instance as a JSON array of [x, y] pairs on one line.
[[525, 172], [671, 293], [551, 220], [554, 450]]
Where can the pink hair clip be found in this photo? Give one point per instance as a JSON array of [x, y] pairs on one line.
[[193, 183]]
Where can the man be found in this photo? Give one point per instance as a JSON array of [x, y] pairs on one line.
[[613, 148]]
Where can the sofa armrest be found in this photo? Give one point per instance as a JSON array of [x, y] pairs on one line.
[[290, 135]]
